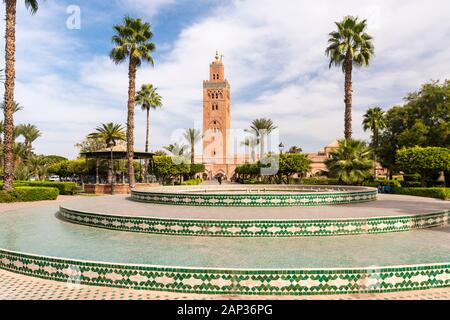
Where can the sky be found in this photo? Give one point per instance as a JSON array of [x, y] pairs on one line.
[[273, 52]]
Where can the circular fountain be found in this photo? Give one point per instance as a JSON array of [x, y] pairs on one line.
[[259, 240], [255, 196]]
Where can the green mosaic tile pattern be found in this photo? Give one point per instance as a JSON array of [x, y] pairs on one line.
[[257, 228], [215, 281], [177, 196]]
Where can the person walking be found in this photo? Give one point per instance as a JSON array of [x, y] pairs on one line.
[[219, 179]]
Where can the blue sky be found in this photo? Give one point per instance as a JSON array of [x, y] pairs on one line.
[[273, 55]]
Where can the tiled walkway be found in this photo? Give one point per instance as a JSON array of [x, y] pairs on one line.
[[18, 287]]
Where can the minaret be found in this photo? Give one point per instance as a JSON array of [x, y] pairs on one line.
[[216, 114]]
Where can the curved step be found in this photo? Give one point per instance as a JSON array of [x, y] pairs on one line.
[[388, 214], [33, 242]]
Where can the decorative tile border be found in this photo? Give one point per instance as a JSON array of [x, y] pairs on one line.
[[255, 196], [257, 228], [231, 281]]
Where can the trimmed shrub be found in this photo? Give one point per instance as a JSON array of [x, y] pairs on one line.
[[411, 177], [411, 184], [191, 182], [65, 188], [28, 194], [438, 193], [316, 181]]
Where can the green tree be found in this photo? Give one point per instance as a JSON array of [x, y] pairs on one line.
[[133, 44], [192, 136], [30, 132], [349, 46], [375, 121], [350, 162], [169, 168], [426, 161], [110, 133], [10, 76], [291, 164], [424, 120], [148, 99], [260, 129]]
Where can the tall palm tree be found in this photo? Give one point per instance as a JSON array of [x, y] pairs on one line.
[[133, 44], [10, 76], [192, 136], [350, 162], [375, 121], [110, 133], [349, 46], [30, 133], [148, 99], [261, 128]]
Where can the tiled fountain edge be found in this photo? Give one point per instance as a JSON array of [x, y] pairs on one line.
[[256, 228], [230, 281]]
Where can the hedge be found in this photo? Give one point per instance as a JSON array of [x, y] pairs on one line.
[[316, 181], [65, 188], [28, 194], [439, 193], [191, 182]]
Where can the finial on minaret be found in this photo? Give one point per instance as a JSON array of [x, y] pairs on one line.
[[217, 55]]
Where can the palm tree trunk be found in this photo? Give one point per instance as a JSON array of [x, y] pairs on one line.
[[261, 151], [10, 48], [130, 121], [192, 152], [147, 132], [348, 67]]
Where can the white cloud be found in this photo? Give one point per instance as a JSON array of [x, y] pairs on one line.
[[274, 58]]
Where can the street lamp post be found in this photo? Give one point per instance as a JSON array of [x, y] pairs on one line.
[[281, 147]]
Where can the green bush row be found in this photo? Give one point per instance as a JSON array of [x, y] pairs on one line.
[[65, 188], [27, 194], [191, 182], [315, 181], [439, 193]]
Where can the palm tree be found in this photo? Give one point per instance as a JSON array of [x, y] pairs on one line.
[[350, 162], [375, 121], [177, 149], [10, 76], [148, 99], [192, 136], [110, 133], [37, 166], [261, 128], [133, 44], [30, 132], [348, 46]]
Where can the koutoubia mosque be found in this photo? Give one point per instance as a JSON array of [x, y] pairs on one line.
[[217, 156]]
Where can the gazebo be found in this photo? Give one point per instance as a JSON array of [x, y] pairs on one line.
[[118, 152]]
